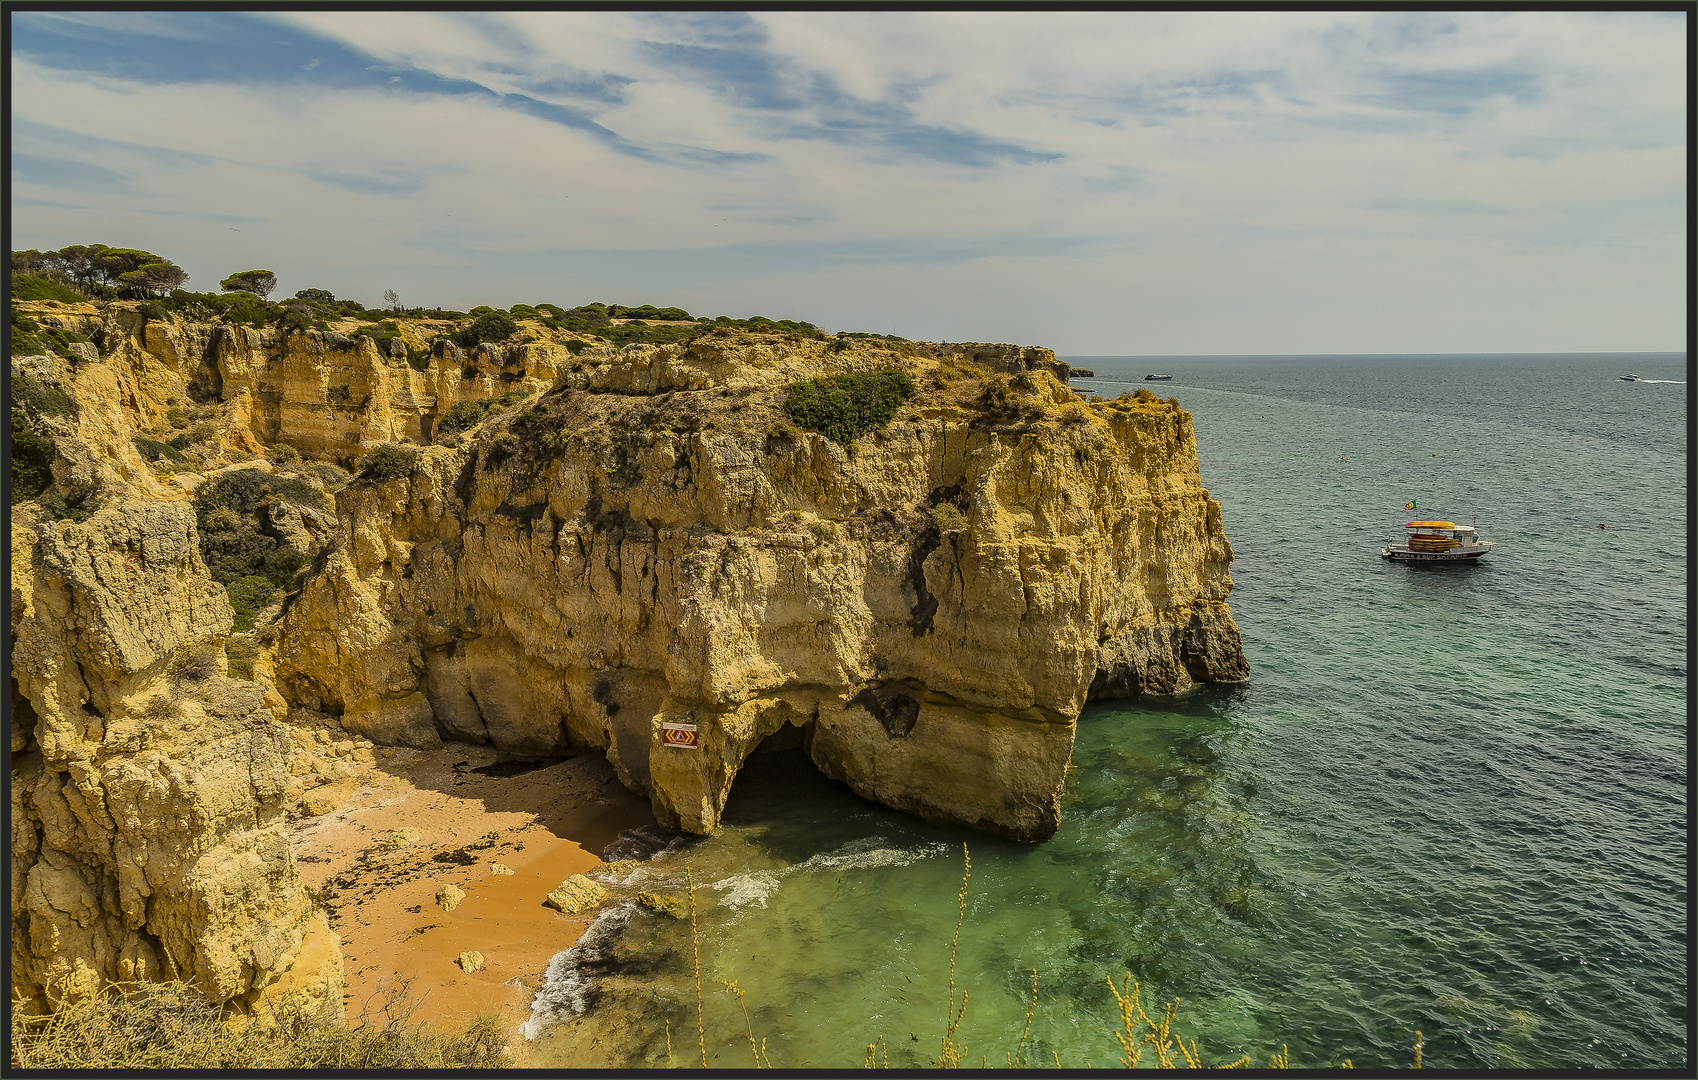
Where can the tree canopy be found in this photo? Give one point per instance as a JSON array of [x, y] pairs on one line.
[[258, 282], [131, 271]]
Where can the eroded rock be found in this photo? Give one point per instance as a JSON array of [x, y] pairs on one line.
[[575, 894]]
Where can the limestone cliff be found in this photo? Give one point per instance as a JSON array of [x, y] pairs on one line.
[[653, 543], [636, 539], [146, 824]]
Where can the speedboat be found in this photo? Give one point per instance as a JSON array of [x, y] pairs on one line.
[[1155, 377], [1631, 378], [1439, 541]]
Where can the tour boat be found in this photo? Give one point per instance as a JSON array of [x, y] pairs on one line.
[[1153, 377], [1439, 541]]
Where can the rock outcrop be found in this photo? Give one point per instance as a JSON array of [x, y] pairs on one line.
[[654, 545], [634, 541], [146, 823]]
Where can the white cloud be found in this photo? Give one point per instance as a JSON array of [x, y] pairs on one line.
[[1317, 176]]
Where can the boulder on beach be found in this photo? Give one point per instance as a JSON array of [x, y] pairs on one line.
[[575, 894], [448, 897], [469, 961]]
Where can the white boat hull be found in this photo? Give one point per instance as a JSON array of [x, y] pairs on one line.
[[1471, 553]]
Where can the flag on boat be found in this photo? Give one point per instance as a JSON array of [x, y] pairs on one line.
[[1410, 505]]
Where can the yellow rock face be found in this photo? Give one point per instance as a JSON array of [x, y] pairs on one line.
[[146, 842], [646, 543], [662, 548]]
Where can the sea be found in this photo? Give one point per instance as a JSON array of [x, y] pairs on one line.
[[1449, 800]]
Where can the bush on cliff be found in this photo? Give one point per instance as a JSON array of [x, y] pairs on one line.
[[844, 407], [33, 449], [388, 461], [154, 450], [469, 414], [170, 1026], [249, 596], [228, 511], [30, 287], [30, 338], [32, 459], [489, 326]]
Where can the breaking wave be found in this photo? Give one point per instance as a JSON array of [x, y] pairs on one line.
[[751, 888], [870, 852], [568, 987]]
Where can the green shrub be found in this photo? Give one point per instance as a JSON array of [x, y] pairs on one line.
[[30, 338], [30, 287], [469, 414], [247, 311], [418, 359], [280, 566], [575, 346], [161, 707], [332, 476], [317, 296], [248, 597], [76, 502], [948, 518], [152, 312], [32, 458], [388, 461], [43, 399], [844, 407], [154, 450], [282, 453], [25, 339], [227, 515], [489, 326]]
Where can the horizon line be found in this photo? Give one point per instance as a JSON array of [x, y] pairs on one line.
[[1221, 356]]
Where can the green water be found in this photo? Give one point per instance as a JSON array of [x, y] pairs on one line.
[[1448, 799]]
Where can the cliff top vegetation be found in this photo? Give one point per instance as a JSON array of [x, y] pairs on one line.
[[98, 273]]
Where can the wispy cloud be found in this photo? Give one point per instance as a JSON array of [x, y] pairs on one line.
[[853, 162]]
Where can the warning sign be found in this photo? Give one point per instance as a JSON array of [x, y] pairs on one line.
[[683, 735]]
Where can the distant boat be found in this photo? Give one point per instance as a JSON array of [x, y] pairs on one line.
[[1631, 378], [1153, 377]]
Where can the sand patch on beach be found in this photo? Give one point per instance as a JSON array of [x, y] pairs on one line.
[[414, 822]]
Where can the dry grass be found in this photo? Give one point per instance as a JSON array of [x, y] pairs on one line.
[[171, 1026]]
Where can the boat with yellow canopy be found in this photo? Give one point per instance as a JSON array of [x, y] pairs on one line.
[[1439, 541]]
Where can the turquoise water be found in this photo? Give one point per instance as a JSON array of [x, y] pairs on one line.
[[1448, 799]]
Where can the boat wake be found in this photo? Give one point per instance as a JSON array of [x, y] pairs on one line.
[[1677, 382]]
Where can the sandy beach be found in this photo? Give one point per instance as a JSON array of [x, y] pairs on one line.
[[390, 836]]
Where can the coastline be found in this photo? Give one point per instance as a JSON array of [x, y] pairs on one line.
[[391, 835]]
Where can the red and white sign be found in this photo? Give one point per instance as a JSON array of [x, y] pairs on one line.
[[684, 735]]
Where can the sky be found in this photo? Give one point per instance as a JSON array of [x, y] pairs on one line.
[[1101, 183]]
